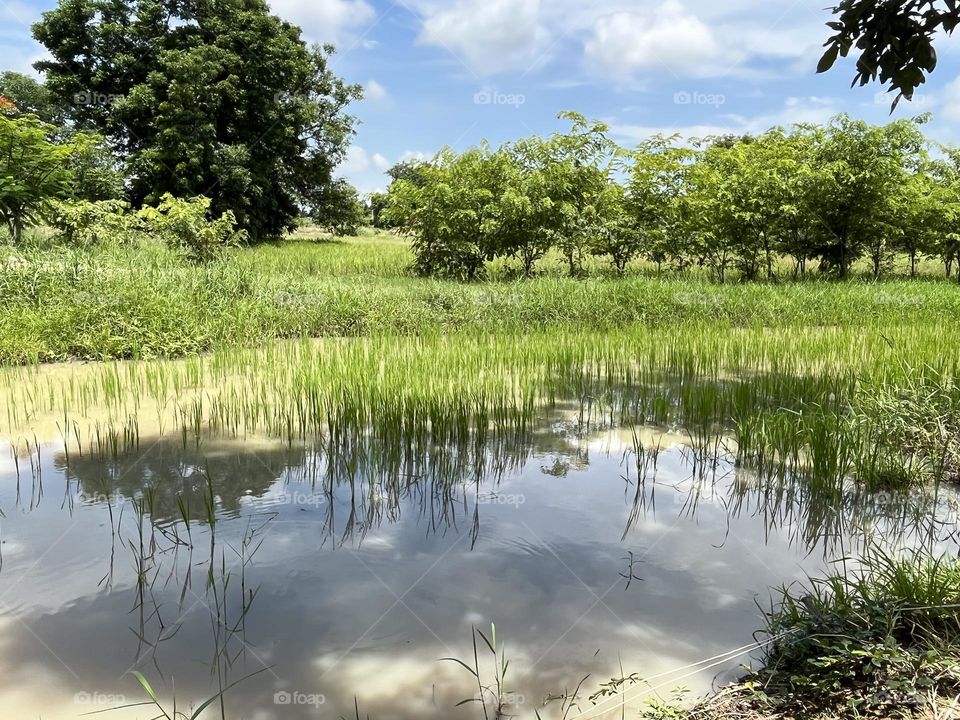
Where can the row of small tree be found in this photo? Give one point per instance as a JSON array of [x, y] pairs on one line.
[[832, 194]]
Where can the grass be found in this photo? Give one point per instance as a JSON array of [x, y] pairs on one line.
[[110, 302], [881, 640]]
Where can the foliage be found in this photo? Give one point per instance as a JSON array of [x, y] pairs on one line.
[[184, 225], [33, 170], [339, 209], [447, 210], [83, 222], [874, 639], [96, 175], [30, 97], [217, 99], [894, 39], [122, 298], [836, 193], [520, 200], [377, 203]]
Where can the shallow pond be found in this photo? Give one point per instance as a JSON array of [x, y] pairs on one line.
[[312, 588]]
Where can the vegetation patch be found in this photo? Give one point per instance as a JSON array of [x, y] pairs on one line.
[[879, 640]]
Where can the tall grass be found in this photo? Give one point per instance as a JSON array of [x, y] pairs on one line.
[[112, 302]]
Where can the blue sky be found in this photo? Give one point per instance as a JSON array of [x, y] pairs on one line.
[[456, 72]]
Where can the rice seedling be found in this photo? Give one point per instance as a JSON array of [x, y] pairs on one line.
[[783, 402]]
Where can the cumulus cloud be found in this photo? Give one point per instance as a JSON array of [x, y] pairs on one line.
[[667, 39], [414, 156], [326, 20], [950, 103], [372, 90], [488, 36], [688, 38], [359, 161]]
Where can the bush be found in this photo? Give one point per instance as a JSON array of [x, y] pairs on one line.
[[184, 226], [87, 223]]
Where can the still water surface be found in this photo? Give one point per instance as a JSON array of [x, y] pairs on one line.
[[319, 587]]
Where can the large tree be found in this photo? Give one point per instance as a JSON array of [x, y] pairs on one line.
[[215, 97], [894, 39], [30, 97]]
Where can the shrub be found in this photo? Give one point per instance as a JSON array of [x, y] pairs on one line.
[[184, 225], [88, 223]]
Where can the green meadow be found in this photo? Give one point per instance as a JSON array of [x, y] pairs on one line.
[[62, 303]]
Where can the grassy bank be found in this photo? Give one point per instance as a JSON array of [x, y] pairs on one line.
[[881, 640], [103, 303]]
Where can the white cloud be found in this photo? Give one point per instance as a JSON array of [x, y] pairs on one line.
[[326, 20], [950, 104], [693, 38], [414, 155], [359, 161], [373, 90], [794, 110], [488, 36], [668, 39]]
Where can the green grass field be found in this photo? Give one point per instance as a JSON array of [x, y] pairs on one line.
[[62, 303]]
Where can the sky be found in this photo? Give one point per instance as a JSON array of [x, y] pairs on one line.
[[457, 72]]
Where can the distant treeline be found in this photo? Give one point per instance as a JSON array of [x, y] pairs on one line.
[[830, 195]]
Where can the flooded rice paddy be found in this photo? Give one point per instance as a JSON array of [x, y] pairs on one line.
[[288, 567]]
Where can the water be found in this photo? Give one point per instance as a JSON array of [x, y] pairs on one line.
[[319, 587]]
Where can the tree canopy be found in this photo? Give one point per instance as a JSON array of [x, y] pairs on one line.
[[212, 98], [837, 193]]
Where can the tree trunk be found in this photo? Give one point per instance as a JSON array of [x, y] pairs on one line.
[[766, 249], [913, 263], [16, 229], [843, 258]]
